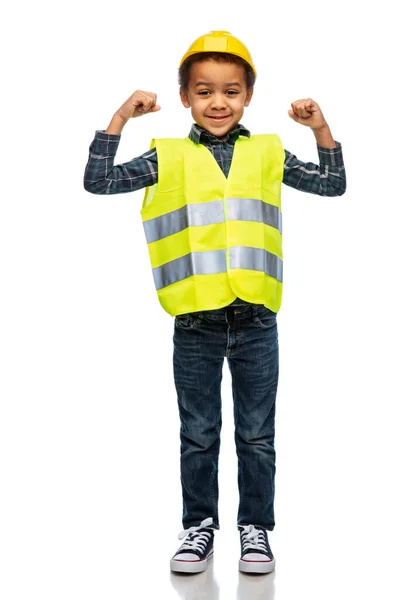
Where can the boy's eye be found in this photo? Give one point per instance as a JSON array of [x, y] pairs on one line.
[[207, 92]]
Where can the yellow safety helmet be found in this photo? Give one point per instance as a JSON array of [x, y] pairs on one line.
[[219, 41]]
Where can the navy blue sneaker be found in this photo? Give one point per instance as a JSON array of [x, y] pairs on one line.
[[256, 554], [196, 550]]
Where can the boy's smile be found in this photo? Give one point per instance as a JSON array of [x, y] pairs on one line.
[[217, 94]]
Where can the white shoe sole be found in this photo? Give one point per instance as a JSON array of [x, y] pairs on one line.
[[259, 566], [190, 566]]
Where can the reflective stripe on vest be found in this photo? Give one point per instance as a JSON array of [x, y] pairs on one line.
[[215, 261], [209, 213], [256, 259], [195, 263], [247, 209]]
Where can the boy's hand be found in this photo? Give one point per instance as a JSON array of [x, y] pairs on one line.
[[307, 112], [139, 103]]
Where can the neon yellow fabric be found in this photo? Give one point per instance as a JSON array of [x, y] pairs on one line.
[[189, 174]]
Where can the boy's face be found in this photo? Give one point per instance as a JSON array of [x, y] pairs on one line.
[[217, 95]]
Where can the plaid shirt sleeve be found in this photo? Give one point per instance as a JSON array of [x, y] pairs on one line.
[[326, 179], [101, 176]]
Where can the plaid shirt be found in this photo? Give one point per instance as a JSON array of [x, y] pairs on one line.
[[102, 177]]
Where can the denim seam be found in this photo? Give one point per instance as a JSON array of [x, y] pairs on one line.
[[241, 490], [213, 499]]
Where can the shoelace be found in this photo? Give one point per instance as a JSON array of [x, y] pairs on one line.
[[196, 540], [253, 538]]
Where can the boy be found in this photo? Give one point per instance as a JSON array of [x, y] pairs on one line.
[[212, 220]]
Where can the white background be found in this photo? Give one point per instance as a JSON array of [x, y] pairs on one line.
[[90, 502]]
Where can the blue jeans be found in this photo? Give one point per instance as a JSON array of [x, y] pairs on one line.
[[247, 335]]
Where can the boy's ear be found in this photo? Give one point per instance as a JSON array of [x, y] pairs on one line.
[[184, 98], [249, 96]]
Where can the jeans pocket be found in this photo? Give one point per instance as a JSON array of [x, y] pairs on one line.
[[187, 321], [265, 318]]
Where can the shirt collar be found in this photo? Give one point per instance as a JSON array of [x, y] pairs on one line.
[[198, 134]]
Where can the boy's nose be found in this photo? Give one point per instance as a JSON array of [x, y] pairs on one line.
[[217, 101]]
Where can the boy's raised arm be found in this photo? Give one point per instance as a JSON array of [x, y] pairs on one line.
[[324, 137], [116, 125], [328, 178], [100, 175]]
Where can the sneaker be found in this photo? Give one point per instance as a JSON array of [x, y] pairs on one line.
[[198, 547], [256, 554]]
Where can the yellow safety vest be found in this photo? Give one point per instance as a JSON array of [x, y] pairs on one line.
[[212, 238]]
